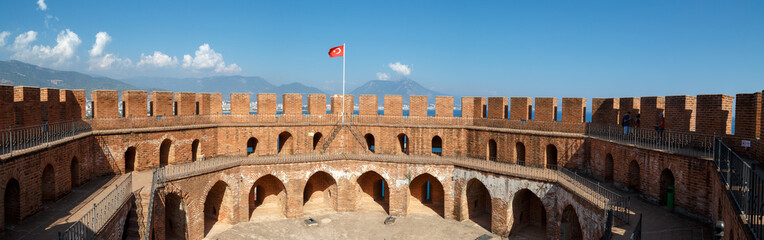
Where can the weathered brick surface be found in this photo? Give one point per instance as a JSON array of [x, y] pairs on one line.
[[748, 110], [240, 104], [316, 104], [651, 108], [105, 103], [216, 103], [714, 114], [50, 100], [135, 103], [292, 103], [444, 106], [185, 103], [418, 106], [337, 104], [8, 118], [546, 109], [605, 111], [573, 109], [680, 113], [393, 105], [521, 109], [629, 105], [161, 103], [368, 104], [497, 107], [27, 106]]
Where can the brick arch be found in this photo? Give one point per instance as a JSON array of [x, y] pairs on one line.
[[371, 142], [492, 150], [418, 190], [267, 197], [176, 218], [317, 137], [570, 223], [130, 158], [635, 178], [437, 145], [373, 191], [532, 212], [75, 171], [48, 183], [608, 172], [12, 202], [166, 152], [4, 180], [320, 191], [521, 154], [551, 155], [403, 143], [217, 208], [286, 143], [479, 203]]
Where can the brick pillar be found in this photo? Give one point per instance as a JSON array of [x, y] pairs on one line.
[[135, 103], [497, 107], [316, 104], [161, 103], [444, 106], [240, 104], [680, 113], [605, 111], [629, 104], [292, 103], [473, 107], [651, 108], [418, 106], [521, 108], [105, 103], [337, 104], [50, 97], [546, 109], [266, 104], [748, 115], [203, 103], [393, 105], [714, 114], [80, 99], [8, 118], [216, 103], [27, 106], [368, 105], [574, 109], [185, 103]]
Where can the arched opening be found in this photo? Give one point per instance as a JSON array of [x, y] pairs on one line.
[[571, 227], [479, 203], [667, 180], [551, 156], [316, 139], [194, 150], [426, 195], [369, 141], [165, 153], [609, 167], [320, 193], [403, 141], [437, 146], [174, 217], [48, 184], [251, 146], [634, 181], [520, 153], [130, 159], [267, 198], [286, 143], [12, 203], [529, 215], [74, 172], [375, 194], [216, 208], [491, 150]]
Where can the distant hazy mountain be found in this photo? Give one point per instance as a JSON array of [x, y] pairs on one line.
[[403, 87], [23, 74], [221, 84]]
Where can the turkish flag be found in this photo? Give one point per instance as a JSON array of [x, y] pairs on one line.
[[337, 51]]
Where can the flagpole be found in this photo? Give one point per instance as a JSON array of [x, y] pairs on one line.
[[344, 55]]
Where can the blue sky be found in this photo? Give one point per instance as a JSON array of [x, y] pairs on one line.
[[487, 48]]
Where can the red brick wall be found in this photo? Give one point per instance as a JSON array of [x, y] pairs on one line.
[[6, 106], [162, 103], [605, 111], [418, 106], [393, 105], [748, 110], [573, 109], [292, 103], [317, 104], [240, 104], [546, 109], [521, 108], [444, 106], [472, 107], [651, 108], [368, 104], [497, 107], [186, 103], [629, 104], [50, 98], [714, 114], [680, 113], [27, 106], [266, 103], [216, 104], [337, 104], [105, 103], [135, 103]]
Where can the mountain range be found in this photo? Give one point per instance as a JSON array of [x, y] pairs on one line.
[[18, 73]]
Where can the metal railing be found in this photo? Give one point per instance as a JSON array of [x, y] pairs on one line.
[[636, 234], [619, 204], [156, 175], [684, 143], [19, 138], [745, 184], [92, 222]]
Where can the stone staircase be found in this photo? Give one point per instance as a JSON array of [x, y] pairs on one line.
[[136, 217], [330, 138], [337, 130]]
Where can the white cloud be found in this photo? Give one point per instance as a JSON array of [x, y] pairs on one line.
[[102, 38], [402, 69], [383, 76], [206, 58], [41, 4], [159, 59], [66, 46], [3, 35]]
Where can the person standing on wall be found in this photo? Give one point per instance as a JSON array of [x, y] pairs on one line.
[[625, 122], [637, 121], [661, 124]]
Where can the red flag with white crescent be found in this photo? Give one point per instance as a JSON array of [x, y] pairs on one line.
[[337, 51]]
